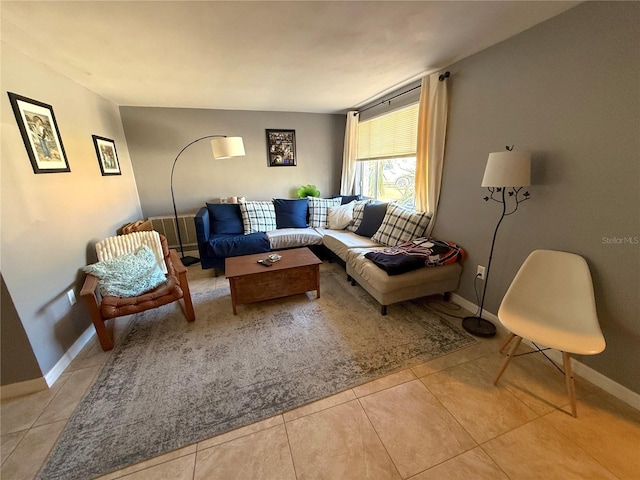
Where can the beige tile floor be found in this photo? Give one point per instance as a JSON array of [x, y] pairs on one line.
[[440, 420]]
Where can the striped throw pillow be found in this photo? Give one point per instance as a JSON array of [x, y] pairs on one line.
[[358, 214], [258, 216], [401, 225], [318, 210]]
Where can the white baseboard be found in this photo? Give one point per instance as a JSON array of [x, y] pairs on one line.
[[42, 383], [69, 355], [619, 391]]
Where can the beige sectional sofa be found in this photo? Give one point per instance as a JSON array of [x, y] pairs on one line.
[[350, 248], [387, 289]]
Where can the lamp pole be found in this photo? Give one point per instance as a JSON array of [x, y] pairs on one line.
[[188, 260], [507, 168], [477, 325]]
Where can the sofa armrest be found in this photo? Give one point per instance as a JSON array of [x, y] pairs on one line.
[[203, 225]]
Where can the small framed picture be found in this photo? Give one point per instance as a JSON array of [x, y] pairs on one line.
[[281, 148], [107, 155], [40, 134]]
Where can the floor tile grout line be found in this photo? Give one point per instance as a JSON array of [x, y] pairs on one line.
[[364, 410], [17, 399], [293, 461], [495, 462], [84, 394], [568, 438]]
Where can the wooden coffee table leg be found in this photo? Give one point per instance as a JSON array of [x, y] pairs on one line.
[[317, 281], [232, 286]]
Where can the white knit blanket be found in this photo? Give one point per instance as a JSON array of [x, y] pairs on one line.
[[119, 245]]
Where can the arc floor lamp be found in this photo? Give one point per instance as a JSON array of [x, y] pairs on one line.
[[505, 176], [222, 147]]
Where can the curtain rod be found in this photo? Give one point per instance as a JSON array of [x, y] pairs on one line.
[[442, 77]]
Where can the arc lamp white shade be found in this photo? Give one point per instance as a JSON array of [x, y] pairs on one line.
[[507, 169], [226, 147]]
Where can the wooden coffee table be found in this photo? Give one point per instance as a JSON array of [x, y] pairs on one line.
[[298, 271]]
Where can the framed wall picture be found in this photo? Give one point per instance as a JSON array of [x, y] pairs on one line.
[[281, 148], [107, 155], [40, 134]]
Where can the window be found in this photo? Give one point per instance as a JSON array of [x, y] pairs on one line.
[[387, 156]]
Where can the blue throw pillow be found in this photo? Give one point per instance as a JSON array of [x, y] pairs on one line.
[[371, 219], [225, 218], [291, 213], [348, 198]]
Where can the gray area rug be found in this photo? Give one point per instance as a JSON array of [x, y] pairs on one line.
[[170, 383]]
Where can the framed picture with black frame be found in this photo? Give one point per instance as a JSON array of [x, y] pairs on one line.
[[281, 148], [107, 155], [40, 134]]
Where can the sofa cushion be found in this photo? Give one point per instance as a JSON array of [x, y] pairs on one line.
[[293, 237], [291, 213], [401, 225], [222, 246], [225, 218], [258, 216], [341, 241], [372, 218], [339, 217], [318, 210]]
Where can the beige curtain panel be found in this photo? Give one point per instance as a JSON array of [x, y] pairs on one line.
[[350, 153], [432, 127]]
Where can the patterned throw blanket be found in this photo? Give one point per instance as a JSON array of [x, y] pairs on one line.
[[417, 253]]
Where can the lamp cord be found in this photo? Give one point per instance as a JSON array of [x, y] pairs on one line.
[[173, 198]]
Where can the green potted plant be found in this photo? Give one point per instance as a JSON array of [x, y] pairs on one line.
[[308, 191]]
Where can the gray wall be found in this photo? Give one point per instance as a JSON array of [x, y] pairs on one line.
[[569, 91], [51, 221], [17, 361], [156, 135]]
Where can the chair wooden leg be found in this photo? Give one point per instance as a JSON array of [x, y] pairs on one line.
[[104, 335], [507, 341], [188, 304], [507, 360], [568, 377]]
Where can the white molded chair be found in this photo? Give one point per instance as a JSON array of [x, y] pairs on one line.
[[551, 302]]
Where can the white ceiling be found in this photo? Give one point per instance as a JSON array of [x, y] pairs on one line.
[[302, 56]]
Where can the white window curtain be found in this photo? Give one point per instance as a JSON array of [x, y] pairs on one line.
[[432, 127], [349, 156]]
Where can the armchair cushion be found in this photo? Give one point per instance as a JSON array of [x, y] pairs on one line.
[[128, 275]]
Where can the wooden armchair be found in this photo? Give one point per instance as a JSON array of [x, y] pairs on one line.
[[104, 308]]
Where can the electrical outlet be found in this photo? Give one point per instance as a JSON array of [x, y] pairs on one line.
[[480, 272], [71, 295]]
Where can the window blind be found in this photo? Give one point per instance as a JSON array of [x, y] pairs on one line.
[[392, 135]]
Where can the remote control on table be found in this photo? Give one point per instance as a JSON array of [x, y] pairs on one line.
[[265, 262]]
